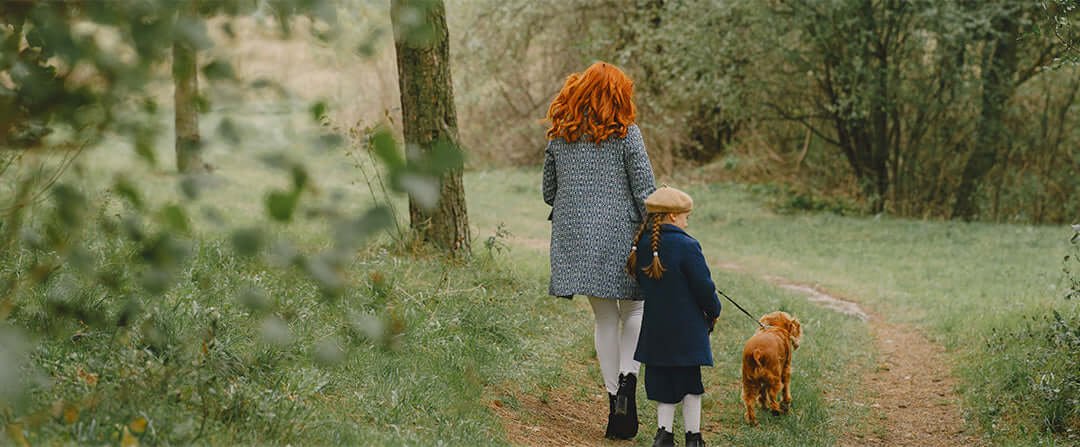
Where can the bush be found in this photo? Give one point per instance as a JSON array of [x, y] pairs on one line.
[[784, 199], [1036, 366]]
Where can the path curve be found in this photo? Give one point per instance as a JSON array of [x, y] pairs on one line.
[[911, 390]]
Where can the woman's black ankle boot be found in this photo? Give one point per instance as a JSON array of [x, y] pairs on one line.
[[624, 421], [609, 432]]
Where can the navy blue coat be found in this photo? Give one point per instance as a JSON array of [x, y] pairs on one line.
[[674, 328]]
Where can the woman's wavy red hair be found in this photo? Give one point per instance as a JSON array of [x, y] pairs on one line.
[[596, 104]]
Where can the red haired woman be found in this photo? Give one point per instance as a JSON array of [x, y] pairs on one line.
[[596, 177]]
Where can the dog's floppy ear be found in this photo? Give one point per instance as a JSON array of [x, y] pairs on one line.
[[794, 332]]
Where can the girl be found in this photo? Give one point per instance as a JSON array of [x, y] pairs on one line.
[[596, 177], [681, 308]]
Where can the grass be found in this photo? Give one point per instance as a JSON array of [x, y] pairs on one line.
[[966, 285], [453, 331]]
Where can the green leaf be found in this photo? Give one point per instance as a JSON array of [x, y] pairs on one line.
[[247, 241], [318, 111], [176, 219], [144, 147], [190, 186], [125, 189], [227, 28], [81, 258], [382, 142], [150, 106], [70, 204], [191, 31], [325, 275], [165, 251], [254, 299], [413, 24], [328, 351], [213, 216], [155, 280], [264, 83], [275, 331], [133, 228], [275, 160], [228, 131], [445, 156], [218, 70], [349, 234], [202, 103], [281, 204], [130, 310], [299, 177], [329, 140], [366, 327]]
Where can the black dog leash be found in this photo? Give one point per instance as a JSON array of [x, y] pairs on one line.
[[743, 310]]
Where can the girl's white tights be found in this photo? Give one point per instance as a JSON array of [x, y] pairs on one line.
[[614, 347], [691, 413]]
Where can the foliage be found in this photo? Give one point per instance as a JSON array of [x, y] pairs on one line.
[[1036, 368], [786, 200], [889, 102], [119, 285], [1062, 23], [1036, 365]]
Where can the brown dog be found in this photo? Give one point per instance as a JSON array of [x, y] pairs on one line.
[[766, 365]]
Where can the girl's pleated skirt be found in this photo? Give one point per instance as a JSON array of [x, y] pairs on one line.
[[669, 384]]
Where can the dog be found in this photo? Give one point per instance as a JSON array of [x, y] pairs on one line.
[[766, 363]]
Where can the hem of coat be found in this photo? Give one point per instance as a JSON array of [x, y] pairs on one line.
[[675, 364], [570, 296]]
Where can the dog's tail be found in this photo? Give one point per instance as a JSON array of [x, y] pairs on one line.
[[757, 357]]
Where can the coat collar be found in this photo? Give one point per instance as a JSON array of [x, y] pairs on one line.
[[672, 228]]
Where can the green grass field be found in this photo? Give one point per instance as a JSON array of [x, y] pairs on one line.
[[410, 354]]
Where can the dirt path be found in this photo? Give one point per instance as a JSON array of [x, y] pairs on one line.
[[572, 414], [911, 391]]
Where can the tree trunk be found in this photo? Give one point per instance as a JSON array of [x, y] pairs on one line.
[[186, 82], [429, 117], [990, 135]]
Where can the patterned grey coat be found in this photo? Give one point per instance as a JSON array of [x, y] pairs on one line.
[[598, 197]]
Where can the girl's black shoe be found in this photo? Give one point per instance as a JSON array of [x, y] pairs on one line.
[[609, 432], [663, 438], [624, 420], [694, 440]]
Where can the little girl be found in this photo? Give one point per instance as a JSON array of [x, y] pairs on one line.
[[681, 308]]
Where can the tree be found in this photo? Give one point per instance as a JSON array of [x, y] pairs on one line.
[[186, 81], [999, 68], [429, 120], [852, 53]]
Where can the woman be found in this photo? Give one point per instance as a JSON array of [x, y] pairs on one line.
[[596, 178]]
